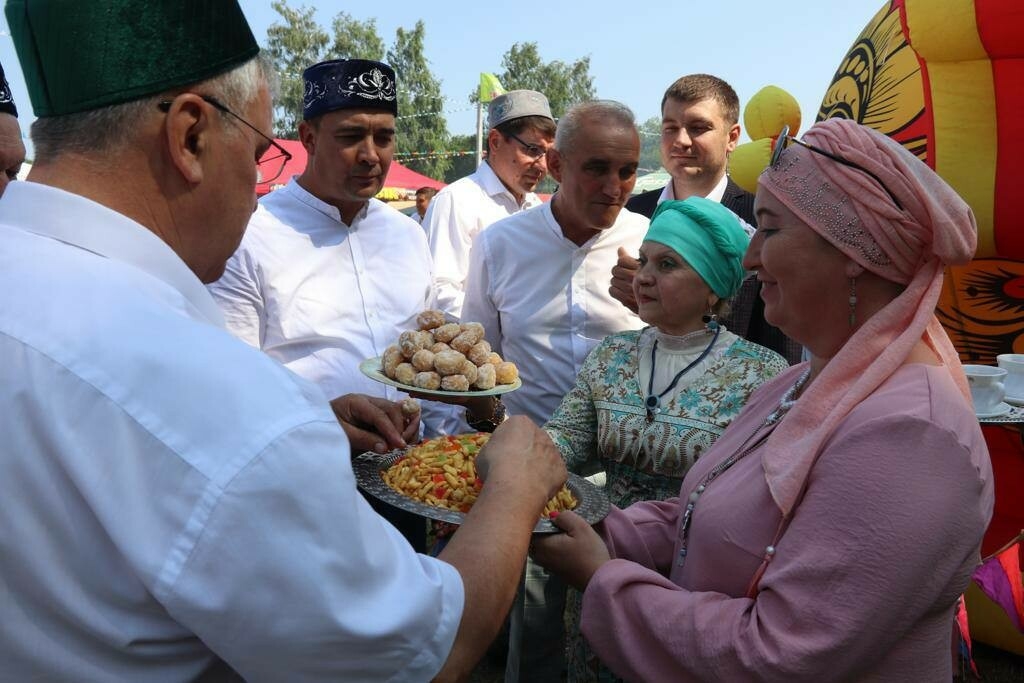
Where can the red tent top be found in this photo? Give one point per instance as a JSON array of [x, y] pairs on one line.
[[398, 176]]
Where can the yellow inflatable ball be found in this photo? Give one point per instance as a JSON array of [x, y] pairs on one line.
[[768, 111], [748, 160]]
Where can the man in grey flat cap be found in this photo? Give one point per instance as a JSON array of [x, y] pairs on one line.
[[521, 131]]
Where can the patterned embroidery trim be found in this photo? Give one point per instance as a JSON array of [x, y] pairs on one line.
[[369, 85], [826, 204]]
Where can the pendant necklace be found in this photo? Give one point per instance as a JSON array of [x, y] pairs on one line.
[[653, 402], [748, 446]]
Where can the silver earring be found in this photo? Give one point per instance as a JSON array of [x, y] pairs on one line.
[[853, 301], [710, 321]]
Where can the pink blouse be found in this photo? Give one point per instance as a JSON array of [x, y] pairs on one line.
[[863, 581]]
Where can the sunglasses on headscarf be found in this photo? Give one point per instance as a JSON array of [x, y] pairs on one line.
[[785, 138]]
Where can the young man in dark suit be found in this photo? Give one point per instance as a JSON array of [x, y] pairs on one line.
[[699, 130]]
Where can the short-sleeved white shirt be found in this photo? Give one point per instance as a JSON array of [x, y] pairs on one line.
[[172, 495]]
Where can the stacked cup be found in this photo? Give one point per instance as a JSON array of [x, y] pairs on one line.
[[987, 389], [1013, 363]]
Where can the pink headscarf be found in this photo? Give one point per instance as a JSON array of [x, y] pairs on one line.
[[911, 246]]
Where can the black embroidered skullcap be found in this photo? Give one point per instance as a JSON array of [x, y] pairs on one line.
[[348, 84]]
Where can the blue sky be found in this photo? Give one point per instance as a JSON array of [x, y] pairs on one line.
[[635, 51]]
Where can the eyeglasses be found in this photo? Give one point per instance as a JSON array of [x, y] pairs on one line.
[[533, 151], [785, 138], [273, 161]]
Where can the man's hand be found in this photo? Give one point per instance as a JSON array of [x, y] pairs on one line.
[[521, 454], [623, 273], [574, 555], [374, 424], [522, 469]]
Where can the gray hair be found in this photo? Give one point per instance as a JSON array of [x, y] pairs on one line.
[[107, 128], [612, 113]]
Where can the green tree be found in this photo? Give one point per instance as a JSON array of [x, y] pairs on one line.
[[462, 164], [298, 41], [422, 131], [354, 39], [563, 84], [650, 145], [292, 45]]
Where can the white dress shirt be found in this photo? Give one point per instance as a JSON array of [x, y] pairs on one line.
[[454, 218], [172, 496], [544, 301], [321, 296]]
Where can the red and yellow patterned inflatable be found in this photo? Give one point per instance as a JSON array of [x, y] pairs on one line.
[[946, 79]]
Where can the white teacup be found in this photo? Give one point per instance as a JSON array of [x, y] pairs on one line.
[[987, 389], [1013, 363]]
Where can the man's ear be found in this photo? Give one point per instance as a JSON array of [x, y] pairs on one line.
[[555, 164], [187, 133], [734, 137], [307, 136], [494, 140]]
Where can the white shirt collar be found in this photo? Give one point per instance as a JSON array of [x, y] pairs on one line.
[[83, 223], [301, 194], [489, 180], [716, 194]]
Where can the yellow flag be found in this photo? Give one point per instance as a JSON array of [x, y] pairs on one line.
[[489, 88]]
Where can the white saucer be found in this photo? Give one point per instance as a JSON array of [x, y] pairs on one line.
[[1001, 409], [1015, 400]]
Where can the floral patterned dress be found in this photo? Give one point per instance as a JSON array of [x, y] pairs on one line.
[[603, 421]]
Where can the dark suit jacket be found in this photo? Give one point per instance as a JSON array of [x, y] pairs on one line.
[[746, 317]]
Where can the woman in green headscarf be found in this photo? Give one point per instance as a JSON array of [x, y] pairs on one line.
[[648, 403]]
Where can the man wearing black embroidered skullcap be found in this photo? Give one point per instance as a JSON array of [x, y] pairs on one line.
[[12, 148], [328, 276], [176, 503]]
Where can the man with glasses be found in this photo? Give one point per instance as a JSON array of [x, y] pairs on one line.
[[521, 132], [175, 503], [699, 130]]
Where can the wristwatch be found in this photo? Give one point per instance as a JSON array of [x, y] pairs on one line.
[[491, 423]]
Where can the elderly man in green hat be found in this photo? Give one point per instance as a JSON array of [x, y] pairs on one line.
[[176, 502]]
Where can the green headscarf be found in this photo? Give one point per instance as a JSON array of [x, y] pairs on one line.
[[79, 55], [706, 235]]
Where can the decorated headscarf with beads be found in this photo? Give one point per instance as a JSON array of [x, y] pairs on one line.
[[910, 246]]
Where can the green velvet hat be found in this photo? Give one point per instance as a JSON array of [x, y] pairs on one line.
[[79, 55], [706, 235]]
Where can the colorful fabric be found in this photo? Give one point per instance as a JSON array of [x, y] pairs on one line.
[[999, 578], [602, 420], [854, 213], [708, 236]]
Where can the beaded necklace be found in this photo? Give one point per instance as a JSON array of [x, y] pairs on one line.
[[748, 446]]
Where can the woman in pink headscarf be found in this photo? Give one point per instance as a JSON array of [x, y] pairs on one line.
[[828, 533]]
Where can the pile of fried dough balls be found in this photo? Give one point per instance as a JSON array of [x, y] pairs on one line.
[[446, 356]]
